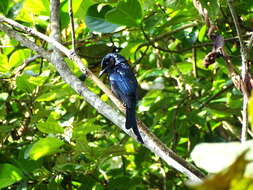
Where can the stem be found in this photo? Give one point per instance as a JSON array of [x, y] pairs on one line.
[[244, 72], [71, 16]]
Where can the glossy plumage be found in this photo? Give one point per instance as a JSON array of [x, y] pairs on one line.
[[124, 85]]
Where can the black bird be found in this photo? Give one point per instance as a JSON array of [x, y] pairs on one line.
[[124, 85]]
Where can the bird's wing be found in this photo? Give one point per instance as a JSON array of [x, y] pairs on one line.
[[123, 84]]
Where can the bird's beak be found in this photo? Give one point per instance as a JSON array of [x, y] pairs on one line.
[[101, 73]]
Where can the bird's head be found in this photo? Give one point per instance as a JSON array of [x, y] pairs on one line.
[[107, 63]]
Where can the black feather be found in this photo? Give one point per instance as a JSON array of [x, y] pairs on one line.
[[124, 85]]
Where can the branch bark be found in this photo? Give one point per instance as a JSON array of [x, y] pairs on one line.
[[242, 82], [151, 141], [244, 72]]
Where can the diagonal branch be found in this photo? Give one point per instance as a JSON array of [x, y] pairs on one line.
[[151, 141]]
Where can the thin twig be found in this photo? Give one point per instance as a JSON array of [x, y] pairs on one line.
[[216, 95], [143, 54], [23, 66], [194, 63], [169, 33], [162, 36], [250, 42], [244, 72], [71, 16], [152, 43]]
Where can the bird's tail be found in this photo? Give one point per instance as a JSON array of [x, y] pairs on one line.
[[131, 123]]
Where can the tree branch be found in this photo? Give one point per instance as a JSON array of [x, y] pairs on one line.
[[151, 141], [244, 72]]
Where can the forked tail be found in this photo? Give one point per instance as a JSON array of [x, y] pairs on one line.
[[131, 123]]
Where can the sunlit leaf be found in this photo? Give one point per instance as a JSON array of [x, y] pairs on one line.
[[50, 126], [81, 10], [58, 93], [202, 33], [4, 66], [9, 174], [30, 9], [250, 110], [44, 147], [18, 57]]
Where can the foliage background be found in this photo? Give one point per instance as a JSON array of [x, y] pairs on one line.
[[50, 138]]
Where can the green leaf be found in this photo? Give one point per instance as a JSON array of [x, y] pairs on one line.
[[3, 113], [30, 9], [23, 83], [57, 93], [82, 130], [105, 153], [50, 126], [75, 5], [81, 10], [44, 147], [6, 128], [4, 6], [157, 72], [212, 7], [184, 68], [124, 183], [250, 110], [80, 136], [38, 80], [17, 58], [27, 165], [127, 13], [28, 83], [151, 21], [94, 53], [202, 33], [9, 174], [4, 66], [95, 20], [221, 108], [10, 46]]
